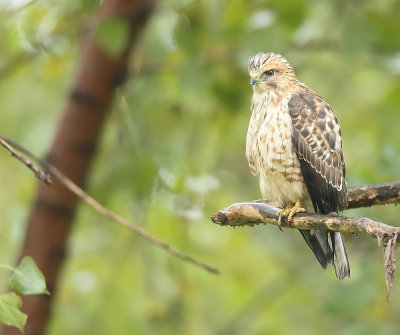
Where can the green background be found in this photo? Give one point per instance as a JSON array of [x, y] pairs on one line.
[[172, 154]]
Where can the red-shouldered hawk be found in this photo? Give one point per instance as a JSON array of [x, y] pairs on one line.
[[294, 145]]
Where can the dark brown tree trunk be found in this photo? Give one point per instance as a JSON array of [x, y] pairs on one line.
[[75, 142]]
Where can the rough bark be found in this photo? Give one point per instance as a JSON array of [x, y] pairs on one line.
[[264, 212], [374, 194], [53, 211], [252, 213]]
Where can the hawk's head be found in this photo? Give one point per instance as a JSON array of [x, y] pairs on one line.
[[270, 71]]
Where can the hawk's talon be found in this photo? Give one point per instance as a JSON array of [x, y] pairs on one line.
[[289, 212], [281, 218]]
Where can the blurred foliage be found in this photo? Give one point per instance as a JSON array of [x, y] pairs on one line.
[[26, 279], [10, 311], [173, 153]]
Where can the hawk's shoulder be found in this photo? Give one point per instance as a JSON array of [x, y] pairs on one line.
[[318, 145]]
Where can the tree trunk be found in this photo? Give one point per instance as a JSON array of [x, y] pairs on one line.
[[75, 142]]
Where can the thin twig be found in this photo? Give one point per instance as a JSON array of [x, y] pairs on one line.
[[390, 258], [104, 211], [43, 176]]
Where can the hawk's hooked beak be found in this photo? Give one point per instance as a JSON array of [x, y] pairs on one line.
[[254, 78], [253, 81]]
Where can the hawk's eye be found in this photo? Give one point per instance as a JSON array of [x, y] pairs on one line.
[[269, 73]]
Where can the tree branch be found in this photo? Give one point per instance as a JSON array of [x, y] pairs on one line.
[[374, 194], [252, 213], [265, 212], [43, 176], [13, 146]]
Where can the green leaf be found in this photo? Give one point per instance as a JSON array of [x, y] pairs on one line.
[[113, 36], [10, 313], [27, 278]]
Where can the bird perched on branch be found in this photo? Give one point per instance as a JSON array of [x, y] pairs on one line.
[[294, 145]]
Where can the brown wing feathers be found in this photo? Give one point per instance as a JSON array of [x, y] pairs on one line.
[[316, 138]]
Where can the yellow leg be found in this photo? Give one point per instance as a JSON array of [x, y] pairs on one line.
[[295, 209], [289, 211]]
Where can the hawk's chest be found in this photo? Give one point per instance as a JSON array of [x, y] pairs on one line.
[[270, 151]]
